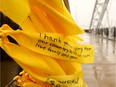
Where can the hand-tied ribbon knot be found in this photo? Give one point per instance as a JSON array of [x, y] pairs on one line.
[[47, 47]]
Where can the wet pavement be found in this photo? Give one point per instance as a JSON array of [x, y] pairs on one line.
[[100, 74], [103, 72]]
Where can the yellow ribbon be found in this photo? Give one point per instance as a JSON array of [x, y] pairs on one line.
[[48, 48], [53, 45]]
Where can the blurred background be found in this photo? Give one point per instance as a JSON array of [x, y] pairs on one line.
[[98, 19]]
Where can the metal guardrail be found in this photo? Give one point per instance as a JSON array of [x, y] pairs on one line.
[[108, 33]]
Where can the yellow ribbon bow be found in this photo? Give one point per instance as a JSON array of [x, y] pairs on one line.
[[47, 46]]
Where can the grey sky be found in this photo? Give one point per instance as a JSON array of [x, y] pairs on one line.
[[82, 10]]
